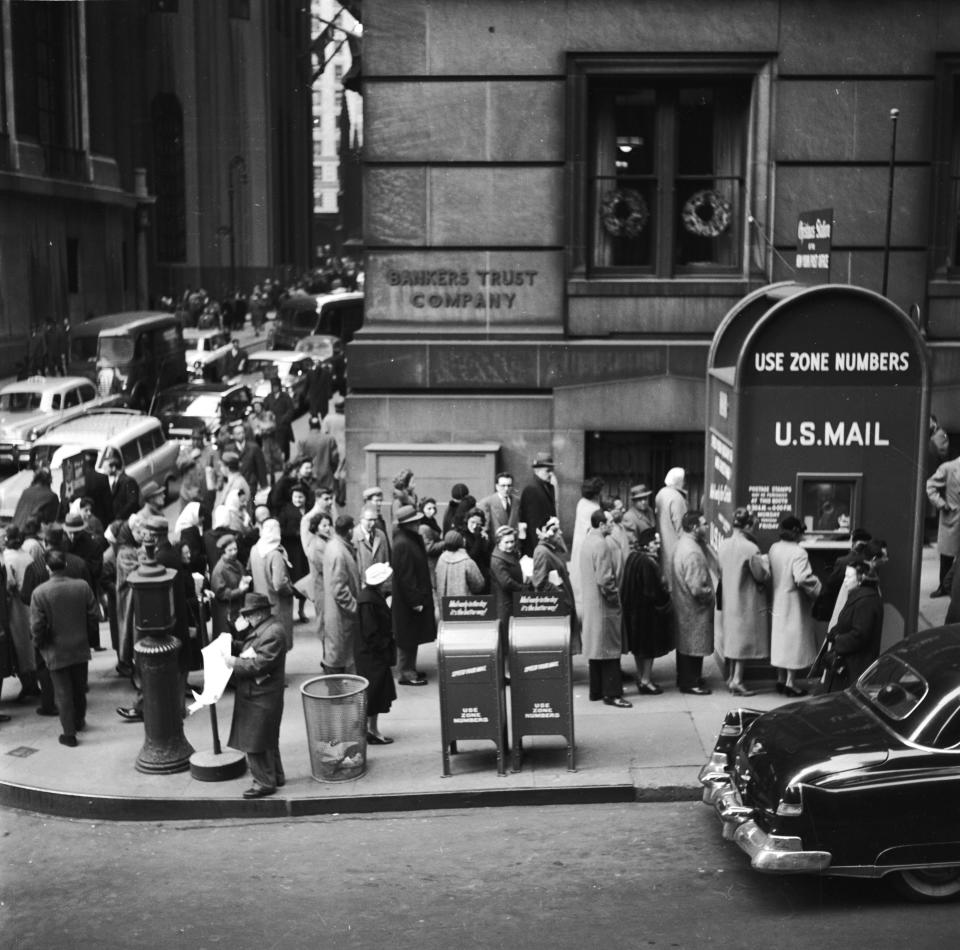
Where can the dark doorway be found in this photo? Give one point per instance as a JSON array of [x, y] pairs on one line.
[[623, 459]]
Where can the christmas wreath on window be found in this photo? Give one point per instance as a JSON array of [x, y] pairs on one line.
[[706, 214], [623, 213]]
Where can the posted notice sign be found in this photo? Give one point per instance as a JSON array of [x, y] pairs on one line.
[[814, 238]]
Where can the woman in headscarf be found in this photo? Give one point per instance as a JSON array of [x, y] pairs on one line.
[[432, 538], [188, 529], [376, 650], [270, 570], [229, 582], [549, 557]]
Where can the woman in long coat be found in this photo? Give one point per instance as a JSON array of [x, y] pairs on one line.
[[414, 621], [127, 561], [548, 556], [744, 611], [600, 610], [506, 579], [227, 581], [432, 538], [648, 619], [376, 649], [856, 635], [793, 643], [457, 575], [270, 571], [258, 703]]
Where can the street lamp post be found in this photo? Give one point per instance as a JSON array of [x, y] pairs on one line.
[[238, 164]]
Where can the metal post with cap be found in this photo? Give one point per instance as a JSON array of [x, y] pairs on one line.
[[165, 748]]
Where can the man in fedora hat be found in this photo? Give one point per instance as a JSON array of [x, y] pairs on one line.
[[639, 517], [538, 502], [413, 617], [258, 669]]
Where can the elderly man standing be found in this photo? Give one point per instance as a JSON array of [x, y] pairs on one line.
[[943, 490], [63, 612], [258, 705], [341, 589], [538, 502], [601, 614], [694, 600], [670, 506], [639, 517]]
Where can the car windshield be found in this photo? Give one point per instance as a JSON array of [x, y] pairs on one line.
[[116, 349], [203, 405], [318, 347], [83, 349], [892, 687], [20, 402], [268, 367]]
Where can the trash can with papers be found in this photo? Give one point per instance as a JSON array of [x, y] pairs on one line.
[[335, 709]]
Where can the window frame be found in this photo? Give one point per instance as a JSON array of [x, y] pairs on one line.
[[944, 256], [584, 69]]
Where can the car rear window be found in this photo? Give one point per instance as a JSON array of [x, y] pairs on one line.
[[299, 319], [892, 687]]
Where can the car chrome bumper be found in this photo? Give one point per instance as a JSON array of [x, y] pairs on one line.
[[778, 854]]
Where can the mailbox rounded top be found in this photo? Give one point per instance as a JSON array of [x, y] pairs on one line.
[[789, 334]]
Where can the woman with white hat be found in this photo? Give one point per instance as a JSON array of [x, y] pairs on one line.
[[376, 650]]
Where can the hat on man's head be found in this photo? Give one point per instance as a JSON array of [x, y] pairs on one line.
[[369, 493], [151, 489], [640, 491], [377, 573], [255, 602], [542, 460], [224, 540], [407, 514], [73, 523]]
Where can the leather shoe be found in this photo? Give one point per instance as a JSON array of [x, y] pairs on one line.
[[737, 690], [649, 689], [70, 741], [696, 690], [130, 713], [419, 681], [939, 592], [794, 692], [781, 687], [617, 701], [378, 740], [258, 791]]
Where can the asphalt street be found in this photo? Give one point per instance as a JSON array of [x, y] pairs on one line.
[[584, 877]]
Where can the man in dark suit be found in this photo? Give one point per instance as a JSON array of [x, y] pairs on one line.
[[538, 501], [96, 487], [501, 508], [124, 490], [252, 464]]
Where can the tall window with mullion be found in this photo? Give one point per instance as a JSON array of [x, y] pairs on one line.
[[668, 166]]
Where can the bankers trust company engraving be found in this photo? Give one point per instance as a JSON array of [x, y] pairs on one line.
[[463, 289]]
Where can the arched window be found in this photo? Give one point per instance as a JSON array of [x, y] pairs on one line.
[[166, 120]]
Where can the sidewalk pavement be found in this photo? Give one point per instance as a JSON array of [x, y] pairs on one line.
[[651, 752]]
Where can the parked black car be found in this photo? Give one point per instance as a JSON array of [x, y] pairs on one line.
[[181, 408], [860, 783]]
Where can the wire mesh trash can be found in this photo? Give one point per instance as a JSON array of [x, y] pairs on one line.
[[335, 709]]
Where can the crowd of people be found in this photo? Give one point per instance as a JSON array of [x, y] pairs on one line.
[[264, 552]]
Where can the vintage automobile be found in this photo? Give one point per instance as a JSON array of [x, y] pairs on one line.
[[291, 368], [31, 406], [147, 454], [859, 783], [324, 348], [181, 408], [338, 314], [206, 350]]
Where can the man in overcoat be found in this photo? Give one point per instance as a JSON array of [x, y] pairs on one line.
[[670, 506], [538, 502], [602, 643], [943, 490], [258, 671], [694, 600], [412, 609], [63, 612], [341, 588]]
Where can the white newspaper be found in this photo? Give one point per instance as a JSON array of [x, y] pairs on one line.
[[216, 673]]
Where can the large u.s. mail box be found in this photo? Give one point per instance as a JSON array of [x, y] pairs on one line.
[[470, 664], [817, 404], [541, 679]]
